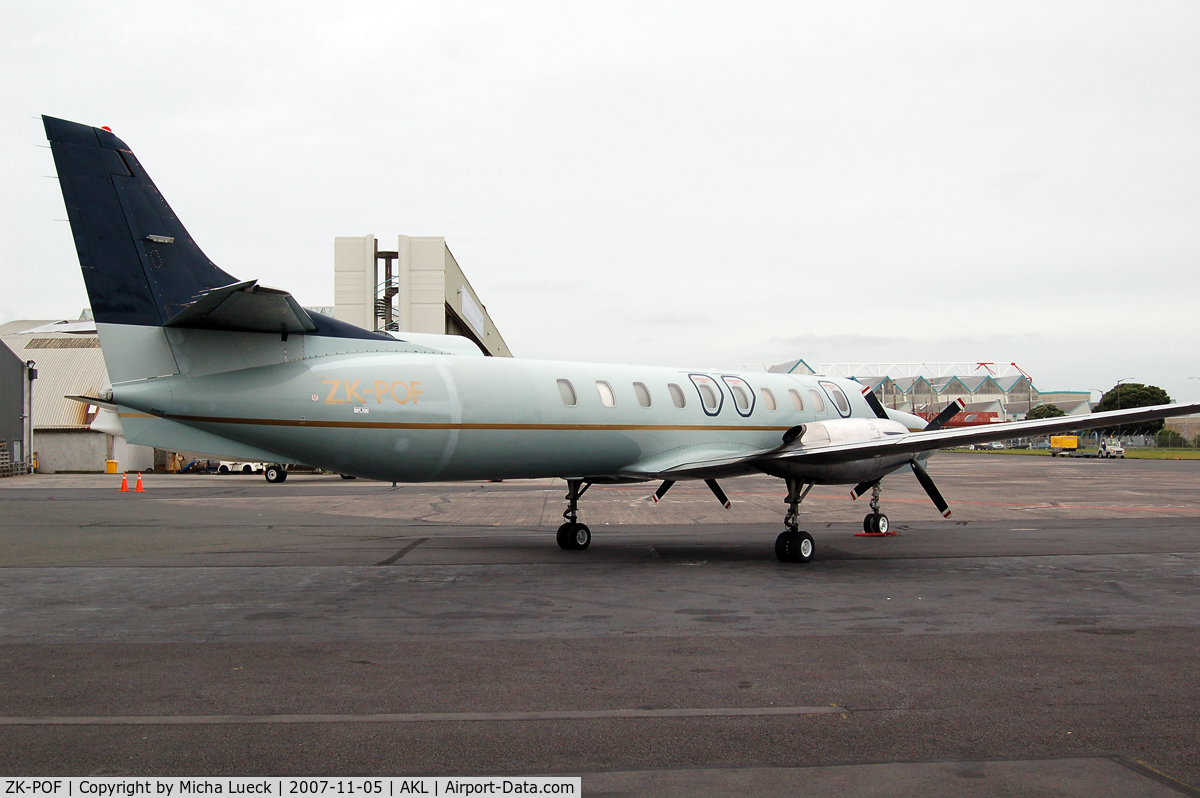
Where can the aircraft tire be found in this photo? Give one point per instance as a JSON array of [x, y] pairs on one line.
[[801, 547], [581, 537], [274, 473], [879, 524], [867, 523], [563, 536], [783, 549]]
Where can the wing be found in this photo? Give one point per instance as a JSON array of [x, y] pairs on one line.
[[702, 461], [916, 442], [713, 462]]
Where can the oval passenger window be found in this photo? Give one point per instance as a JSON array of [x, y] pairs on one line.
[[818, 402], [567, 391], [768, 398], [607, 397], [739, 396], [710, 398], [677, 395], [643, 393], [796, 400]]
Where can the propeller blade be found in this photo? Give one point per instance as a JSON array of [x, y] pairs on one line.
[[720, 494], [873, 402], [662, 489], [927, 483], [952, 410], [862, 488]]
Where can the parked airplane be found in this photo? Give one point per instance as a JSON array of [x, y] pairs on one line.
[[200, 361]]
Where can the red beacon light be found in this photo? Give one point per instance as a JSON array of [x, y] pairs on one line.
[[106, 127]]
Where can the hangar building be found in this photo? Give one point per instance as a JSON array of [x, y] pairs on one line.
[[417, 287], [15, 431], [1004, 393], [66, 435]]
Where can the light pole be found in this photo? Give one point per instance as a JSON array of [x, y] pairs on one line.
[[1123, 379], [30, 375], [1096, 433]]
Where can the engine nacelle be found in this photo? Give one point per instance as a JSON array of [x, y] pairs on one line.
[[817, 435], [847, 430]]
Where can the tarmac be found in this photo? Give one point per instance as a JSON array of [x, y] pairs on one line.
[[1043, 641]]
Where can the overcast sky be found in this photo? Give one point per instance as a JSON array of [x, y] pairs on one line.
[[677, 184]]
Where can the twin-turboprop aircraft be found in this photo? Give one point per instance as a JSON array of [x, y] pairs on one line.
[[201, 361]]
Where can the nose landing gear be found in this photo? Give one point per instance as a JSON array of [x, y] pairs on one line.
[[876, 524], [573, 535], [793, 543]]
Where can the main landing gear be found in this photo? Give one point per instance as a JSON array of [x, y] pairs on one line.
[[573, 535], [275, 473], [876, 524], [793, 543]]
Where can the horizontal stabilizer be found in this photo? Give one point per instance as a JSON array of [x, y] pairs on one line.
[[90, 400], [245, 307]]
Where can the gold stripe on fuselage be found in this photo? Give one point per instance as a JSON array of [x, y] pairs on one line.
[[438, 425]]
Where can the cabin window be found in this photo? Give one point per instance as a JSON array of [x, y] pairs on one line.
[[797, 402], [743, 394], [712, 398], [677, 395], [768, 398], [607, 397], [818, 402], [839, 398], [643, 393], [567, 391]]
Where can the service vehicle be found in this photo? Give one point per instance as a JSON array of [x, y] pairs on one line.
[[1066, 445]]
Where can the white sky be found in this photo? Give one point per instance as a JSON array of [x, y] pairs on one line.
[[683, 183]]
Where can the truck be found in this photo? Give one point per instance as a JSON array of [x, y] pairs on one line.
[[1111, 448], [1066, 445]]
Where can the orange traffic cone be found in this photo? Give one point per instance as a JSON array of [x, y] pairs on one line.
[[138, 488], [124, 483]]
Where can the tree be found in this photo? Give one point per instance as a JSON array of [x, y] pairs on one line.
[[1044, 411], [1123, 396]]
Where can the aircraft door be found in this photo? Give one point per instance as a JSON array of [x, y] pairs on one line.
[[712, 398]]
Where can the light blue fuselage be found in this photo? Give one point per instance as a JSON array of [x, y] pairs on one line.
[[417, 417]]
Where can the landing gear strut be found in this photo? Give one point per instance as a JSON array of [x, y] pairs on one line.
[[876, 524], [794, 544], [573, 535]]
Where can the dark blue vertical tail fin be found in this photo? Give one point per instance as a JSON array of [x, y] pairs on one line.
[[139, 263]]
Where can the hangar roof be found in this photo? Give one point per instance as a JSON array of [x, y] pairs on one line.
[[67, 363]]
